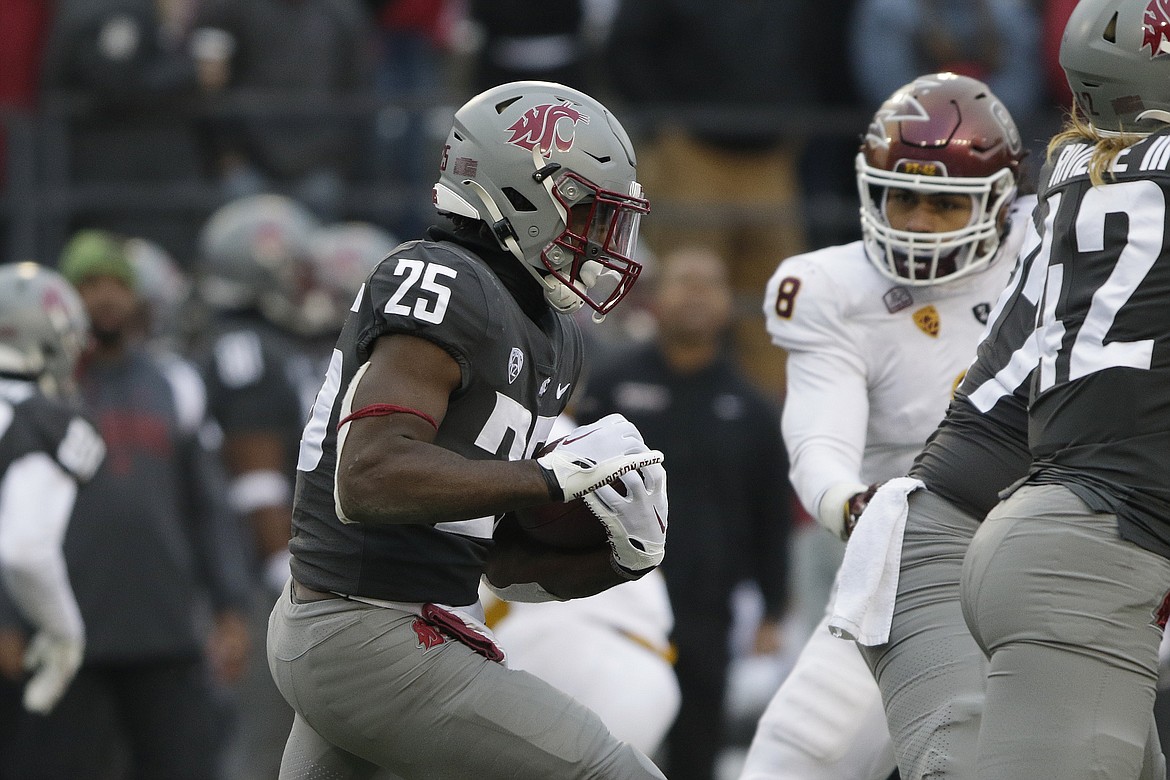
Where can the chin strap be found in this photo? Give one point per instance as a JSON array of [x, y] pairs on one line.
[[556, 292]]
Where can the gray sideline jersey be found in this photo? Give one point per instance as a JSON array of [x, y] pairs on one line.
[[1100, 415], [517, 378], [980, 448]]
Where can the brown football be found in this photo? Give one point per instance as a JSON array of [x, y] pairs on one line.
[[565, 525]]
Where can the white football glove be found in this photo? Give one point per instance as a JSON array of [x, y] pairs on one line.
[[53, 661], [594, 455], [633, 510]]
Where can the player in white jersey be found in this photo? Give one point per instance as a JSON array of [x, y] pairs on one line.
[[878, 333]]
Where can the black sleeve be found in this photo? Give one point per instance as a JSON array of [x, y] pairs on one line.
[[771, 506], [217, 533]]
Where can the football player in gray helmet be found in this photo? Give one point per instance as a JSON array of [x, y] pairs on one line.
[[47, 449], [1064, 585], [427, 435], [552, 172], [254, 254]]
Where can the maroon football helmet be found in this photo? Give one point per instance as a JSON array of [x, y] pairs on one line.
[[942, 133]]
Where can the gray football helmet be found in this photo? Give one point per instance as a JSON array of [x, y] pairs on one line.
[[254, 253], [162, 285], [553, 174], [343, 255], [1116, 55], [43, 326]]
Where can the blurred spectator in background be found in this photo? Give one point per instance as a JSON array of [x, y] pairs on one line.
[[136, 61], [728, 182], [255, 276], [528, 40], [828, 186], [296, 52], [153, 554], [413, 40], [995, 41], [730, 498]]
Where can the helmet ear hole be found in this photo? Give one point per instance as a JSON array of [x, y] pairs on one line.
[[517, 199]]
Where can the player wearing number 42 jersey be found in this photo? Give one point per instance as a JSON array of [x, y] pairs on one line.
[[457, 357], [1086, 537], [1082, 683]]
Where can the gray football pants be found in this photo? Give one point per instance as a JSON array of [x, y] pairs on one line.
[[368, 694], [1065, 611], [932, 673]]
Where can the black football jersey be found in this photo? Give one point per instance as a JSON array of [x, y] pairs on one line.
[[258, 379], [981, 446], [517, 376], [31, 423], [1100, 397]]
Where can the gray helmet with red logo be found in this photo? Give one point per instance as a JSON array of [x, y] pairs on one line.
[[553, 174], [254, 253], [43, 326], [343, 255], [1116, 55], [942, 133]]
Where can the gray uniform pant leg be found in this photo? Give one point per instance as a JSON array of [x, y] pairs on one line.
[[1064, 608], [931, 672], [362, 681]]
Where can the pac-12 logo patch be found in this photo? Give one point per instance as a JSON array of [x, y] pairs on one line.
[[981, 311], [547, 127], [515, 364], [897, 298]]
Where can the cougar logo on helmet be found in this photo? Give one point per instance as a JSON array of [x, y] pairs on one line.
[[538, 127], [1156, 28]]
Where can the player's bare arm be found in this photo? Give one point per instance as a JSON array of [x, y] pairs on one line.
[[391, 471]]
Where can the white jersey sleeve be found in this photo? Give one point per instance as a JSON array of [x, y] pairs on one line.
[[36, 501], [826, 406]]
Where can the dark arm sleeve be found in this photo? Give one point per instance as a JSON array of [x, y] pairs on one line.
[[771, 509], [217, 533]]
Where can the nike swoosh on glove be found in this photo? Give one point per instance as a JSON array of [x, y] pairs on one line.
[[595, 455], [634, 511]]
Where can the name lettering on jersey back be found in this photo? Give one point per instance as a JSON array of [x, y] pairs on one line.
[[1073, 160]]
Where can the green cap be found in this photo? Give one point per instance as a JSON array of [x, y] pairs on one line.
[[96, 253]]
